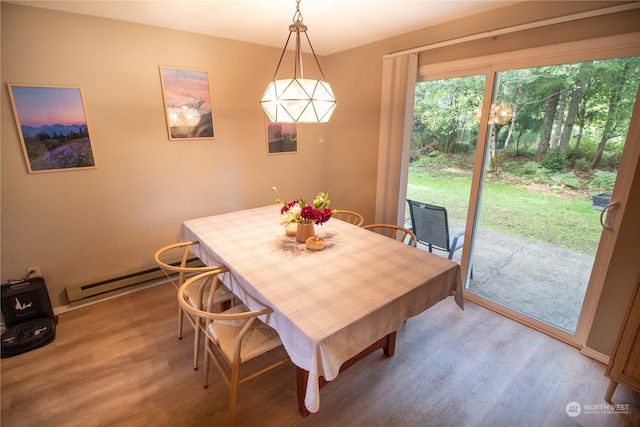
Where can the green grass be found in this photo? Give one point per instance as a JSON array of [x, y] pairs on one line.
[[567, 222]]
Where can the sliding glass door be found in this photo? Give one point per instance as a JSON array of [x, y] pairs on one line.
[[525, 160]]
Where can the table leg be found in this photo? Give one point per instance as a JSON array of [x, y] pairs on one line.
[[302, 377], [390, 347], [387, 344], [610, 390]]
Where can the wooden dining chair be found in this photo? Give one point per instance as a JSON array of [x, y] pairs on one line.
[[232, 337], [396, 232], [176, 261], [349, 216]]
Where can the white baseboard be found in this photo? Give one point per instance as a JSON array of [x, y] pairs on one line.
[[596, 355]]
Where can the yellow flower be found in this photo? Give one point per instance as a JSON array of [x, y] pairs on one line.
[[279, 200], [321, 201]]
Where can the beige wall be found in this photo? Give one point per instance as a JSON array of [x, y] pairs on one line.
[[80, 226]]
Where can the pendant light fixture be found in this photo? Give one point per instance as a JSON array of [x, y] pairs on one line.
[[298, 100]]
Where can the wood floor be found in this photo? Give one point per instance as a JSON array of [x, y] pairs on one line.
[[118, 363]]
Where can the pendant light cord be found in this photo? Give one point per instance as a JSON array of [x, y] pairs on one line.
[[297, 23], [298, 15]]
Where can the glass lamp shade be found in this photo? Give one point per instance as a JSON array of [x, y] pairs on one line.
[[298, 100], [183, 116]]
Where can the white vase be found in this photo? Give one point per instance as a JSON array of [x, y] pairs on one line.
[[291, 229]]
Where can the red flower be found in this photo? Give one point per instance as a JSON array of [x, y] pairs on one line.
[[298, 211], [318, 217], [288, 206]]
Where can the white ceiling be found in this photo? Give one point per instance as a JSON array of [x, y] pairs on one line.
[[333, 25]]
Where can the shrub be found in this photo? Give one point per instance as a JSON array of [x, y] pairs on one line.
[[459, 148], [588, 146], [603, 180], [512, 167], [554, 161], [530, 168], [568, 179], [582, 165], [610, 160], [434, 159]]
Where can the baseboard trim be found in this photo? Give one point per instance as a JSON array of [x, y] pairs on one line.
[[596, 355], [107, 296]]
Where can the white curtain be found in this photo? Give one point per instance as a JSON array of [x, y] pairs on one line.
[[396, 118]]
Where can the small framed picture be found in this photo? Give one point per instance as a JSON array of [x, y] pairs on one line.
[[282, 138], [53, 127], [187, 103]]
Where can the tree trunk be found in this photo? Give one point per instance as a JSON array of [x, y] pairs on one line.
[[518, 142], [574, 104], [547, 124], [607, 133], [582, 118], [512, 125], [610, 124], [559, 119], [576, 148]]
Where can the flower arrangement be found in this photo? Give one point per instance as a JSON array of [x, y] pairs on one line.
[[318, 212]]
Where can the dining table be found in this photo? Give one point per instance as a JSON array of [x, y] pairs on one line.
[[331, 306]]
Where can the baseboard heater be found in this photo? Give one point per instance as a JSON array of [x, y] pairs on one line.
[[99, 288]]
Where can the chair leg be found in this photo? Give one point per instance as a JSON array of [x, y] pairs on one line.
[[196, 347], [180, 321], [233, 392], [207, 361]]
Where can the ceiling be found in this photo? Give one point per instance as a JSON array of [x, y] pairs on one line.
[[333, 25]]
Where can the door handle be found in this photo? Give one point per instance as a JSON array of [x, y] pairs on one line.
[[610, 211]]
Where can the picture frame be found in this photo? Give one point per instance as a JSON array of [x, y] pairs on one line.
[[187, 103], [282, 138], [53, 128]]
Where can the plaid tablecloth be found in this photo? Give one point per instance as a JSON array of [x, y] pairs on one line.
[[328, 305]]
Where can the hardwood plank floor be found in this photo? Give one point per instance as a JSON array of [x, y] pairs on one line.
[[118, 363]]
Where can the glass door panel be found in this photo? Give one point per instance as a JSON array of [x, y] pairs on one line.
[[443, 148], [554, 139]]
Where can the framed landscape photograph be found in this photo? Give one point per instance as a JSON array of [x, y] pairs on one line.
[[187, 103], [282, 138], [53, 127]]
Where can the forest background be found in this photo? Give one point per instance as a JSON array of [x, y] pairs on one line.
[[554, 132]]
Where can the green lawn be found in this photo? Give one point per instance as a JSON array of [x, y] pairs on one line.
[[560, 220]]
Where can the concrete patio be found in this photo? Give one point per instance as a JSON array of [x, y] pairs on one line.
[[540, 280]]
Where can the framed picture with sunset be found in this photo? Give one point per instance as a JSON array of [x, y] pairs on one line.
[[282, 138], [53, 127], [187, 103]]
